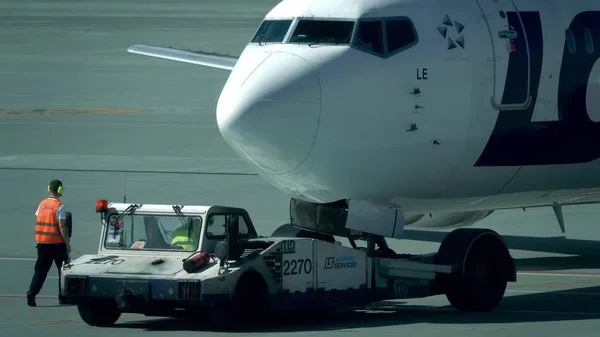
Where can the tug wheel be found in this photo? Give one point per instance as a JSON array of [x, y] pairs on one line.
[[99, 313], [484, 267], [249, 304]]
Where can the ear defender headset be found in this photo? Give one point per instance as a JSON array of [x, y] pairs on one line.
[[60, 189]]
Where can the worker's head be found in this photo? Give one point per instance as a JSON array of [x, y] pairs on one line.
[[56, 188]]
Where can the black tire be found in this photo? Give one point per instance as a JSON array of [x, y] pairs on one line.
[[485, 265], [99, 313], [249, 305], [251, 296], [221, 318]]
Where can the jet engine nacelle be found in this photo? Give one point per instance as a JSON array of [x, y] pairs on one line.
[[446, 220]]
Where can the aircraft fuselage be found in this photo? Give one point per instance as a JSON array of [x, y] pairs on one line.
[[492, 104]]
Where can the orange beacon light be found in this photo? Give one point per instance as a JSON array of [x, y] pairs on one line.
[[101, 205]]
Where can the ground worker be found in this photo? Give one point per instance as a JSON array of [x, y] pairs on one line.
[[53, 243], [186, 236]]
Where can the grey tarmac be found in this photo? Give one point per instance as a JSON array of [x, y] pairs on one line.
[[74, 105]]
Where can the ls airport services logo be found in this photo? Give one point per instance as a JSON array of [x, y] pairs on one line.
[[340, 262]]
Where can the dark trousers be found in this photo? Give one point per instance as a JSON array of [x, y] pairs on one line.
[[46, 254]]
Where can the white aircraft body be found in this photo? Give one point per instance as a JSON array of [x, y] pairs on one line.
[[429, 113]]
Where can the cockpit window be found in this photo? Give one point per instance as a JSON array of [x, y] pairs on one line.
[[323, 31], [400, 34], [272, 31], [369, 37]]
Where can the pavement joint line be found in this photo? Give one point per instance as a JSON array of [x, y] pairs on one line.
[[206, 173], [452, 310], [68, 111], [24, 296], [560, 292], [581, 313], [558, 274], [66, 321], [544, 284]]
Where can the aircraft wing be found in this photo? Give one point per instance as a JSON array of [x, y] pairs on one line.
[[225, 62]]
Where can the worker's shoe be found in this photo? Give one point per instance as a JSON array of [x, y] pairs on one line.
[[31, 300]]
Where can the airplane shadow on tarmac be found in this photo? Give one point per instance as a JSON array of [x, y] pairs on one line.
[[586, 252], [575, 304]]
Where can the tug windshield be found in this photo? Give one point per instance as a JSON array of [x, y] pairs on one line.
[[153, 232]]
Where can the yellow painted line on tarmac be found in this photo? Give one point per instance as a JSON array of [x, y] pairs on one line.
[[64, 321], [586, 193], [68, 111]]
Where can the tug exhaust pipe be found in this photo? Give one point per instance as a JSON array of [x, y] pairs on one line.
[[229, 249]]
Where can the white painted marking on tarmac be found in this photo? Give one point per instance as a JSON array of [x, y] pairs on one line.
[[558, 274], [18, 258], [447, 309], [24, 296], [553, 292], [550, 312]]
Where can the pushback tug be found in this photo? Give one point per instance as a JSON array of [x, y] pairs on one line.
[[162, 260]]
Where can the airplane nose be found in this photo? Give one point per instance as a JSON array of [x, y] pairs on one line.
[[272, 117]]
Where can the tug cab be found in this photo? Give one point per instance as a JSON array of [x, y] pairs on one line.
[[146, 228]]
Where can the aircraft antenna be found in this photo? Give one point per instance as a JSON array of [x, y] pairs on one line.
[[125, 191]]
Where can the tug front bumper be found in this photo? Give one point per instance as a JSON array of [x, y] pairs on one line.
[[131, 292]]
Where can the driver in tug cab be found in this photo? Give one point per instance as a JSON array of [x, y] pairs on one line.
[[186, 235]]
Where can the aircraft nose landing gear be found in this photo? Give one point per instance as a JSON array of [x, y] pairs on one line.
[[483, 267]]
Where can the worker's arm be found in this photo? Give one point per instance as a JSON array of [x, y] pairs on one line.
[[62, 218], [63, 231]]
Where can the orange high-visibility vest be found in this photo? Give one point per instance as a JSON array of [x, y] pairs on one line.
[[46, 225]]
